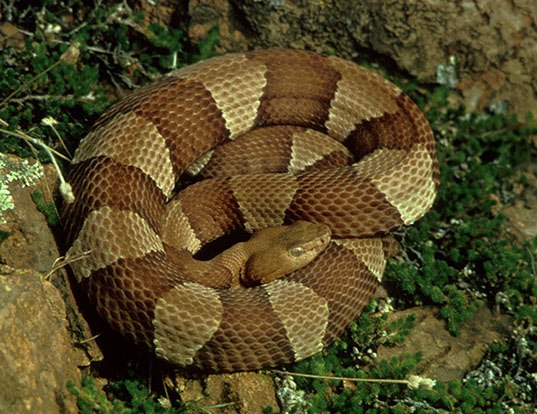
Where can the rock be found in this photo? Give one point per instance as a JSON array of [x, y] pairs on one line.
[[221, 15], [38, 315], [36, 353], [522, 215], [487, 39], [29, 244], [523, 220], [241, 392], [11, 36], [446, 357]]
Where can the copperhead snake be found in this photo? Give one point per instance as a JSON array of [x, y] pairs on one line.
[[279, 136]]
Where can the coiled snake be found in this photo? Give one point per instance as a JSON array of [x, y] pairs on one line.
[[279, 137]]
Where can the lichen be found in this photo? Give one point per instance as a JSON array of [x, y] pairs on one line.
[[291, 399], [26, 173]]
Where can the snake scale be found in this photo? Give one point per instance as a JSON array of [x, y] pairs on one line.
[[263, 139]]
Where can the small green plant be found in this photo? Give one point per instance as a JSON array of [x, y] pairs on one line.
[[91, 399], [124, 397], [48, 209], [3, 235]]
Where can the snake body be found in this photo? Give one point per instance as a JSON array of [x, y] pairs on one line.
[[279, 136]]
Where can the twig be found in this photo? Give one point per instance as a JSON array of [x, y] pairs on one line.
[[62, 98], [91, 338], [63, 261], [36, 141], [413, 381], [50, 122]]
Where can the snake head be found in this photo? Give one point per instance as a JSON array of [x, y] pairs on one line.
[[279, 251]]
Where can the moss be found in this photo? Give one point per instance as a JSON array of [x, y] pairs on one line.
[[3, 235], [48, 209], [91, 399], [347, 357], [123, 397]]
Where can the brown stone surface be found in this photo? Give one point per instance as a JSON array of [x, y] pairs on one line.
[[10, 36], [217, 15], [161, 11], [522, 215], [36, 353], [38, 314], [446, 357], [30, 244], [241, 392]]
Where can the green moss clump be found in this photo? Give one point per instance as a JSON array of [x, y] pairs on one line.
[[123, 397], [48, 209]]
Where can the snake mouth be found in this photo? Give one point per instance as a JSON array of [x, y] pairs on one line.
[[219, 245]]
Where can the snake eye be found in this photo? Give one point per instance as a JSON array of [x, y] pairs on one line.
[[296, 251]]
